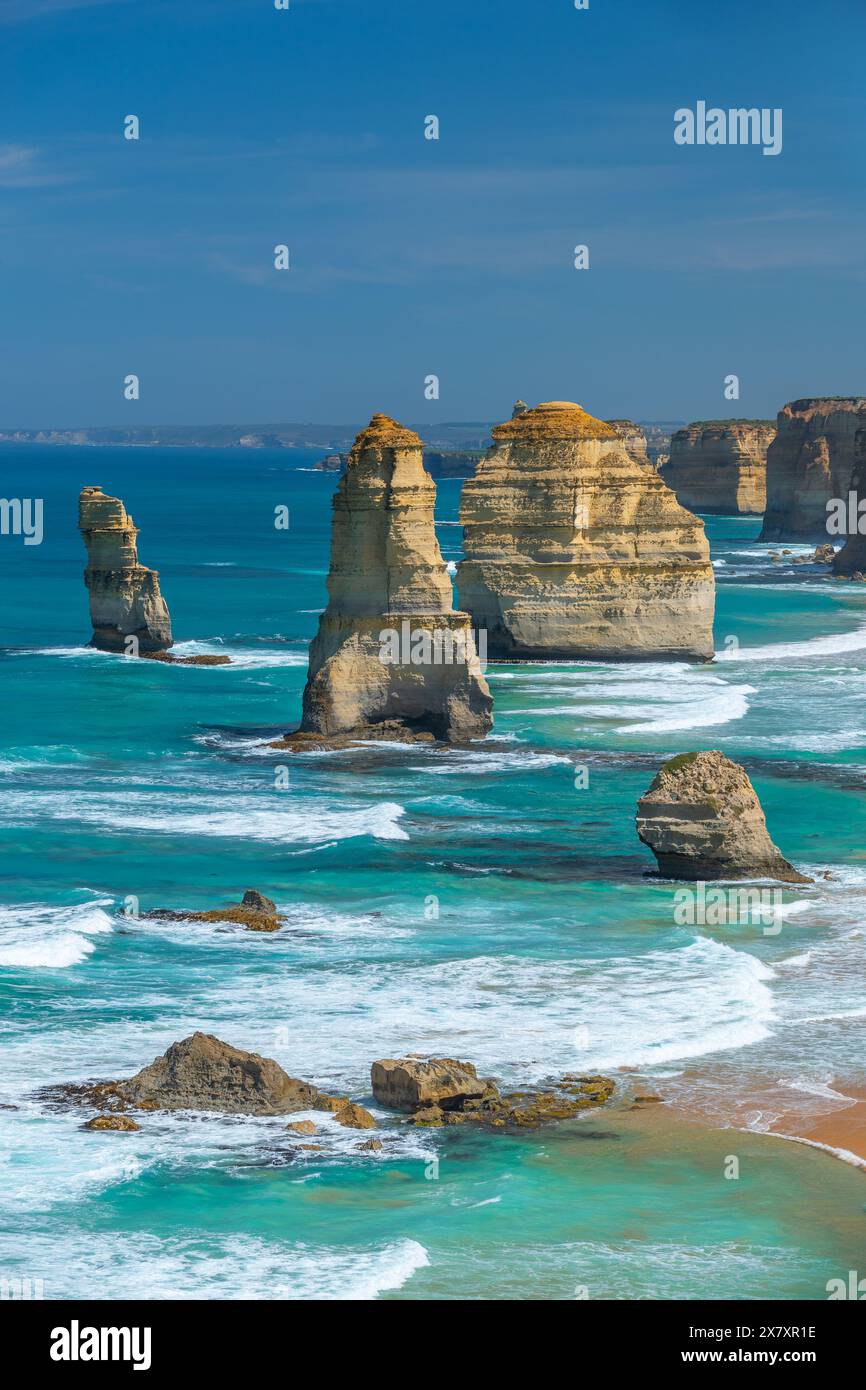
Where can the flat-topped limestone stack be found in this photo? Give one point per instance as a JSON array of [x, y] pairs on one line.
[[633, 438], [721, 465], [125, 600], [810, 462], [573, 549], [702, 819], [390, 649]]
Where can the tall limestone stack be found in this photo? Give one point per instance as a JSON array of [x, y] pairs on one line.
[[124, 596], [388, 580], [721, 465], [809, 462], [575, 550]]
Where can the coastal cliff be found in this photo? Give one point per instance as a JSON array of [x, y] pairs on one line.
[[810, 461], [574, 549], [390, 649], [721, 465], [125, 600], [632, 437]]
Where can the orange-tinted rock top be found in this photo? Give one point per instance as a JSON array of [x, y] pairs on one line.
[[385, 433], [554, 420]]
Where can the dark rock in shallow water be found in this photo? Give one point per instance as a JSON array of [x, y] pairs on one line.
[[119, 1122], [387, 730], [206, 660], [255, 912]]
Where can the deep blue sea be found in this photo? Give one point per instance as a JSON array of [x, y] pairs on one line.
[[472, 903]]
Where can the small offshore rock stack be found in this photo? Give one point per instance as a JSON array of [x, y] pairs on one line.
[[387, 580], [573, 549], [124, 596], [721, 465], [702, 819], [811, 461], [633, 438]]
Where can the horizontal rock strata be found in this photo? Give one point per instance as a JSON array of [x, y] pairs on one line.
[[721, 465], [125, 601], [386, 575], [809, 463], [702, 819], [573, 549], [632, 437]]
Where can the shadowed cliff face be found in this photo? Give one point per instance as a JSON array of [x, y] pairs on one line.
[[851, 559], [721, 465], [387, 570], [125, 600], [810, 461], [576, 549]]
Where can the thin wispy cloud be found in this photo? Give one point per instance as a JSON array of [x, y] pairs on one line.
[[20, 11], [21, 166]]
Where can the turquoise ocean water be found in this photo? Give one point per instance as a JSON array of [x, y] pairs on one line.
[[472, 903]]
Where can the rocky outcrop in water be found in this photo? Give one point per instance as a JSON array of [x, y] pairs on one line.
[[410, 1084], [702, 819], [390, 648], [721, 465], [125, 601], [573, 549], [255, 912], [202, 1073], [810, 462], [442, 1091]]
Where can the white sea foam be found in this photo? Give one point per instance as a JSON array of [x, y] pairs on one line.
[[108, 1265], [660, 701], [844, 1154], [454, 763], [241, 817], [243, 658], [814, 648], [35, 936], [519, 1018]]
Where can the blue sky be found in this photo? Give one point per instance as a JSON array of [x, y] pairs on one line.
[[411, 257]]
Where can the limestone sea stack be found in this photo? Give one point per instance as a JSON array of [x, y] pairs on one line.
[[811, 461], [390, 650], [702, 819], [574, 549], [721, 465], [125, 600]]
